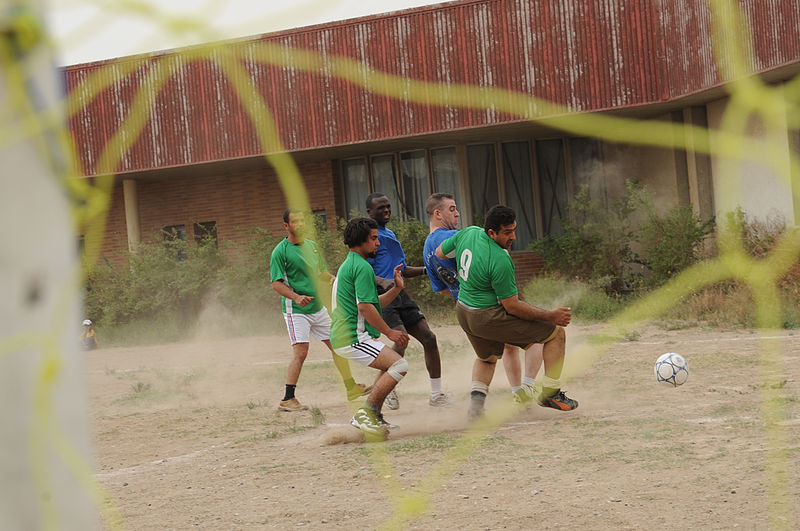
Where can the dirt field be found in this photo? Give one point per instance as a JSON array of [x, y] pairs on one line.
[[188, 435]]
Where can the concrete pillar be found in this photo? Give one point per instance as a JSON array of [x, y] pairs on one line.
[[131, 198]]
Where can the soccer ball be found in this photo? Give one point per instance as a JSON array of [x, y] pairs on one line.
[[671, 369]]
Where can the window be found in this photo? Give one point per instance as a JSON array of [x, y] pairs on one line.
[[482, 180], [355, 186], [552, 184], [415, 184], [323, 217], [174, 232], [444, 166], [205, 232], [383, 181], [405, 178], [175, 237], [519, 190]]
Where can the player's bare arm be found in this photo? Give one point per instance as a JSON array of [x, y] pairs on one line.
[[413, 271], [397, 286], [374, 318], [523, 310], [439, 253], [289, 293]]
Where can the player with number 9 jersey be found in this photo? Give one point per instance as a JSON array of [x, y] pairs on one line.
[[485, 270]]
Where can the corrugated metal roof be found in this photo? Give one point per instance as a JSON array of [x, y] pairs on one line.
[[585, 55]]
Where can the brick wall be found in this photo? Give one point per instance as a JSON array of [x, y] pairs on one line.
[[528, 265], [241, 200]]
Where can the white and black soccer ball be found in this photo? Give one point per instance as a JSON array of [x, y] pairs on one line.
[[672, 369]]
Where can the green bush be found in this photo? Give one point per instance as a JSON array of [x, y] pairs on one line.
[[165, 277], [595, 245], [670, 243]]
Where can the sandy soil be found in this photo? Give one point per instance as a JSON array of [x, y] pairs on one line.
[[188, 436]]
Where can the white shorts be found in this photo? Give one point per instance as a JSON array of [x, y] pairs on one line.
[[301, 325], [364, 352]]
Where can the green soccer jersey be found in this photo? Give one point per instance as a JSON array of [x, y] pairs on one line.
[[355, 283], [299, 266], [485, 270]]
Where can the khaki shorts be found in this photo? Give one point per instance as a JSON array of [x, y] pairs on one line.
[[489, 329]]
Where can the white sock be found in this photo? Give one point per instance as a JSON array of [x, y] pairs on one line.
[[527, 380], [550, 383], [515, 388], [436, 386]]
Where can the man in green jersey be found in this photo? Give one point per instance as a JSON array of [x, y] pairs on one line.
[[491, 313], [295, 269], [357, 323]]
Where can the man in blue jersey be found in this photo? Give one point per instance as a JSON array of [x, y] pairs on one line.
[[403, 313], [443, 219]]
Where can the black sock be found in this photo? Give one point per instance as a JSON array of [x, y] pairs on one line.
[[349, 383], [477, 396], [289, 392]]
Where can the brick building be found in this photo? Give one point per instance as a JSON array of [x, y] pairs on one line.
[[198, 166]]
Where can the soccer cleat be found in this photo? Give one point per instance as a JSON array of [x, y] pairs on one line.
[[358, 390], [524, 395], [370, 424], [439, 400], [292, 405], [475, 411], [385, 424], [391, 401], [556, 400]]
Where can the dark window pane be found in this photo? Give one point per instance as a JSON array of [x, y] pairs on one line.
[[444, 165], [383, 180], [519, 190], [552, 183], [205, 232], [355, 186], [415, 184], [482, 180]]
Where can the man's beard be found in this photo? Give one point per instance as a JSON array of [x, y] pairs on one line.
[[373, 254]]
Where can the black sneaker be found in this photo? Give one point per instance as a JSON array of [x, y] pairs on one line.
[[556, 400], [385, 424], [475, 411]]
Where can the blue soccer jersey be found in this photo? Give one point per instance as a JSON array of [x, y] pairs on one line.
[[442, 273], [390, 254]]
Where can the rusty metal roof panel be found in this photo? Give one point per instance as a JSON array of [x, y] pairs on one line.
[[585, 55]]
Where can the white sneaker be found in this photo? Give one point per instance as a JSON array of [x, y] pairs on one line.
[[391, 401], [439, 400]]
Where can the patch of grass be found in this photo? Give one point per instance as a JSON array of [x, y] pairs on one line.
[[317, 416], [438, 441], [140, 387]]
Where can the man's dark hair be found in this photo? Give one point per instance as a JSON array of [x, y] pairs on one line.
[[357, 231], [435, 202], [498, 216], [289, 211], [372, 197]]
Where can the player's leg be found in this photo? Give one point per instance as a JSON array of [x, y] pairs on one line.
[[513, 367], [553, 355], [433, 362], [299, 327], [533, 362], [289, 402], [354, 390], [392, 367], [482, 373]]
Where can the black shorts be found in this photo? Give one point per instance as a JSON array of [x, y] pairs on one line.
[[402, 311]]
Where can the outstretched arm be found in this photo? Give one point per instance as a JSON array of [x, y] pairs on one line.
[[523, 310]]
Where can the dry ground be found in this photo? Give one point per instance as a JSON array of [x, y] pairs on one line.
[[188, 436]]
